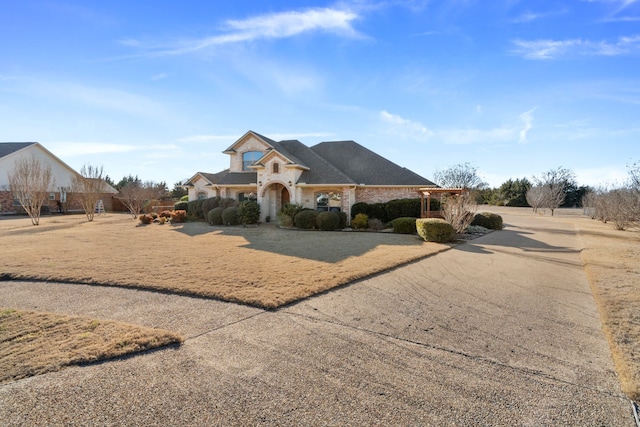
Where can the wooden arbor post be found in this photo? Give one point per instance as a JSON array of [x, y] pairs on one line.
[[429, 191]]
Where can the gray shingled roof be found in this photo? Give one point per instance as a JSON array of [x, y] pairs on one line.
[[7, 148], [214, 178], [239, 178], [363, 166], [320, 171]]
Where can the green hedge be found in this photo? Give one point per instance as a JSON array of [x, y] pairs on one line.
[[404, 225], [397, 208], [328, 221], [360, 221], [306, 219], [230, 216], [181, 206], [434, 230], [215, 216], [249, 212], [488, 220]]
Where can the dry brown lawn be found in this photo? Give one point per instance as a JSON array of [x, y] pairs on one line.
[[33, 343], [612, 262], [261, 266]]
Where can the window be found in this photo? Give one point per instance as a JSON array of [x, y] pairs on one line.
[[275, 168], [246, 196], [52, 196], [249, 158], [328, 201], [202, 195]]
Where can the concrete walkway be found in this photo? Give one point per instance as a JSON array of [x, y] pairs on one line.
[[501, 330]]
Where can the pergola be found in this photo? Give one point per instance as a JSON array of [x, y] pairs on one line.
[[434, 191]]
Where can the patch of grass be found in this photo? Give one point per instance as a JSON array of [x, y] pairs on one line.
[[611, 261], [261, 266], [33, 343]]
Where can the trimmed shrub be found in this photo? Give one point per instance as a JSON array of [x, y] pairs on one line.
[[162, 219], [181, 206], [215, 216], [287, 212], [403, 208], [230, 216], [306, 219], [208, 204], [184, 198], [404, 225], [165, 214], [228, 202], [488, 220], [361, 221], [145, 219], [376, 224], [379, 210], [178, 216], [343, 219], [434, 229], [328, 221], [249, 212], [360, 207], [194, 210]]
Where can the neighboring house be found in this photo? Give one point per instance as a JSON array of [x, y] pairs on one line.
[[60, 195], [327, 176]]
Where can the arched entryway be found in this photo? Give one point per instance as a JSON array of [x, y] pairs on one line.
[[274, 196]]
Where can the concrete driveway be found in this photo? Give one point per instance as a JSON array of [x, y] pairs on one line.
[[502, 330]]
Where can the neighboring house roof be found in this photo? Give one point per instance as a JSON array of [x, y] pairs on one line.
[[7, 148]]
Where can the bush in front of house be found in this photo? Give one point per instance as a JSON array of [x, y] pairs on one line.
[[404, 225], [488, 220], [306, 219], [145, 219], [434, 230], [184, 198], [379, 210], [208, 204], [249, 212], [343, 219], [400, 208], [194, 210], [165, 214], [179, 215], [328, 221], [230, 216], [215, 216], [376, 225], [287, 213], [181, 206], [361, 221], [359, 207]]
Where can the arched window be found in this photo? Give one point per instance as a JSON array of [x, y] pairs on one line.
[[202, 195], [275, 168], [249, 158]]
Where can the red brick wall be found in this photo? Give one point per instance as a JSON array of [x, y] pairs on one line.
[[384, 194]]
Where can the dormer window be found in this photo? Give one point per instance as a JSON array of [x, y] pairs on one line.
[[275, 168], [249, 158]]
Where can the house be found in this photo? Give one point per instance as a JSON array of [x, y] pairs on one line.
[[60, 196], [327, 176]]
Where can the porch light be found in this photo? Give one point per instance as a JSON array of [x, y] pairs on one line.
[[289, 183], [260, 183]]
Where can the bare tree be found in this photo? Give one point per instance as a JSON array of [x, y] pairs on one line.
[[87, 187], [463, 175], [29, 183], [554, 184], [459, 210], [135, 194], [535, 197]]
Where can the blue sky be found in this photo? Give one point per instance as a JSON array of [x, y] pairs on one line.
[[160, 88]]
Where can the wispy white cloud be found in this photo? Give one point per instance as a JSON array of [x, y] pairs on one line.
[[268, 26], [530, 16], [159, 76], [207, 138], [621, 10], [404, 128], [527, 125], [74, 149], [552, 49]]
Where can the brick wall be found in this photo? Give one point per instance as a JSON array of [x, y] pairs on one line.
[[6, 202], [384, 194]]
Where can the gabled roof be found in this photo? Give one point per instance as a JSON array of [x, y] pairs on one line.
[[265, 140], [239, 178], [7, 148], [320, 170], [363, 166], [212, 178]]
